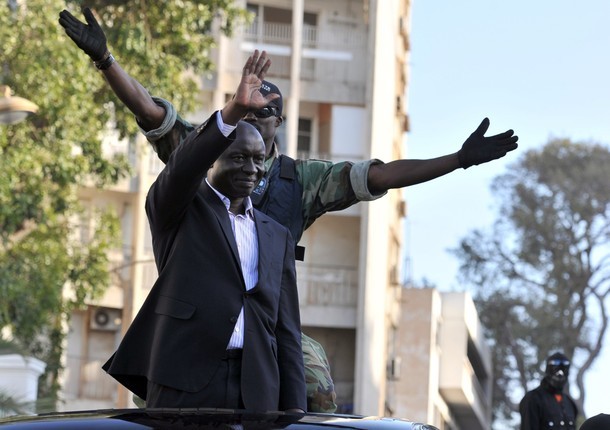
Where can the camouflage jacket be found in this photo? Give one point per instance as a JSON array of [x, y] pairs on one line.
[[321, 394]]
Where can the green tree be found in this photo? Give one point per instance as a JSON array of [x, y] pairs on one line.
[[46, 159], [541, 276]]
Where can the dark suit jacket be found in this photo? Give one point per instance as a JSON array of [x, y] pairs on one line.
[[182, 330]]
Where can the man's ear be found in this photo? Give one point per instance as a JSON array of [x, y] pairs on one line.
[[279, 120]]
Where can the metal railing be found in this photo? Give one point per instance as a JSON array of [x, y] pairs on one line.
[[342, 38], [335, 158], [328, 286], [330, 54]]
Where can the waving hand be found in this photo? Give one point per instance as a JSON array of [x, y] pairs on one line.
[[89, 37]]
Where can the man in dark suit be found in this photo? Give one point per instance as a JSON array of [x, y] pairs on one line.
[[220, 327]]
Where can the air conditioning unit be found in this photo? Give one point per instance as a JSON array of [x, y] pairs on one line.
[[106, 319]]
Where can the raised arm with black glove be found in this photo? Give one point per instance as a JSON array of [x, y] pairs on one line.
[[91, 39], [476, 149]]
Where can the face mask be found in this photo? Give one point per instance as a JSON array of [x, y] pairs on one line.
[[558, 379]]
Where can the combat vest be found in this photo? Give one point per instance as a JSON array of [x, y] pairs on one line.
[[284, 202]]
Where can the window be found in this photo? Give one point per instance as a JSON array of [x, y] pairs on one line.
[[304, 138], [279, 16], [304, 135]]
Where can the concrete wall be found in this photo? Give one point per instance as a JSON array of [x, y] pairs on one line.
[[19, 377]]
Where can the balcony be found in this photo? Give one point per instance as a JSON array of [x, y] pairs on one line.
[[465, 371], [332, 64], [328, 295], [113, 147], [339, 42], [467, 400], [321, 155]]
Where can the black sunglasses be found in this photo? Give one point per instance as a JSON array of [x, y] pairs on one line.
[[265, 112], [558, 362]]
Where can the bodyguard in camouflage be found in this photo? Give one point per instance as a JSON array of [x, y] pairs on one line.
[[321, 394], [315, 186]]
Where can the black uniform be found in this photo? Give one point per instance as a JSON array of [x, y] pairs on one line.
[[540, 410], [548, 407]]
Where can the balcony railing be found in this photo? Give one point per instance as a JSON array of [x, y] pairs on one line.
[[330, 54], [318, 155], [328, 286], [331, 38]]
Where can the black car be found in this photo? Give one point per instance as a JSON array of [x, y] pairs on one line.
[[216, 419]]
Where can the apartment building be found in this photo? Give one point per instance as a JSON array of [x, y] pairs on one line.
[[343, 71], [440, 371]]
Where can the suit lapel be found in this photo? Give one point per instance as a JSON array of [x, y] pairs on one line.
[[220, 211], [266, 247]]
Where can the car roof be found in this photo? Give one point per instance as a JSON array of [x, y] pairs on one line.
[[203, 418]]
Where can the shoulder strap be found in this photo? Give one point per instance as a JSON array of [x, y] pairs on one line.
[[287, 167], [288, 171]]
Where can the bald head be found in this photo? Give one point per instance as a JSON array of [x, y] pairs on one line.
[[246, 131]]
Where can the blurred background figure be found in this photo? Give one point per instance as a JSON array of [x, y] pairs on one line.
[[548, 406]]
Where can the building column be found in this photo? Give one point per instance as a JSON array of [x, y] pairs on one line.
[[292, 126]]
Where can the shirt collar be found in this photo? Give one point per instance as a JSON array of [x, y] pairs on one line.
[[272, 156], [227, 202]]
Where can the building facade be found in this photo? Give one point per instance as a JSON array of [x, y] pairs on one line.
[[441, 370], [344, 99]]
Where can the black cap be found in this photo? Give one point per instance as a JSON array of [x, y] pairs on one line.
[[269, 88]]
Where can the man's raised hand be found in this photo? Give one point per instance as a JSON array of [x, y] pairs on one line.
[[248, 95]]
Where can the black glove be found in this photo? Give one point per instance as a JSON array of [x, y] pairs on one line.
[[480, 149], [90, 38]]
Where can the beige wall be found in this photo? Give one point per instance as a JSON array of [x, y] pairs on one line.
[[418, 348], [437, 383]]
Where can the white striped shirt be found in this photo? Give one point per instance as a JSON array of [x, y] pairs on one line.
[[244, 230]]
